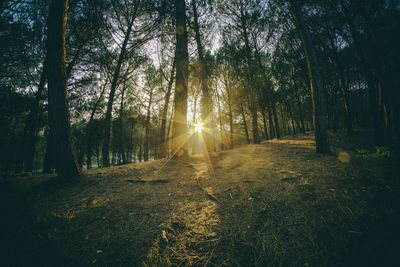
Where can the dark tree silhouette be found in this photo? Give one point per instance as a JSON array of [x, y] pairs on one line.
[[57, 83], [316, 81], [179, 127]]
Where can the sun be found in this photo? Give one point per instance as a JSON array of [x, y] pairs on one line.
[[198, 127]]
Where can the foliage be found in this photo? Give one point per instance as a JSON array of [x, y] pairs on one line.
[[380, 152]]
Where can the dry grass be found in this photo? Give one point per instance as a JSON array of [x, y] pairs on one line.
[[274, 204]]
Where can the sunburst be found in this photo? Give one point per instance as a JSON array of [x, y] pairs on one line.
[[199, 127]]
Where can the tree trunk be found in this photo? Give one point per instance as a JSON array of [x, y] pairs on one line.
[[31, 130], [276, 121], [48, 164], [253, 106], [228, 89], [58, 112], [230, 120], [348, 118], [179, 127], [244, 123], [332, 105], [271, 124], [316, 82], [98, 156], [168, 140], [165, 111], [89, 130], [114, 84], [303, 128], [140, 146], [121, 127], [264, 124], [373, 85], [271, 103], [147, 126], [130, 143], [283, 121], [206, 100], [291, 116], [348, 110], [293, 127], [220, 123], [194, 137], [31, 123], [12, 135]]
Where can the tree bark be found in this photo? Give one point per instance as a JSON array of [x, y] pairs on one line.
[[165, 111], [316, 82], [179, 127], [58, 112], [31, 125]]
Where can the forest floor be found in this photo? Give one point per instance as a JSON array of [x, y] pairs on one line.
[[273, 204]]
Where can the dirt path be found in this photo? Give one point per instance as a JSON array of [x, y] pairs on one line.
[[276, 204]]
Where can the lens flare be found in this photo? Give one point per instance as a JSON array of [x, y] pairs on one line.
[[198, 127]]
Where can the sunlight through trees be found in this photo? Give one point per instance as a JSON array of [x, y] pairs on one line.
[[138, 74]]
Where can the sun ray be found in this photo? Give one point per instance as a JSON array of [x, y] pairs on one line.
[[197, 129], [206, 156], [187, 137]]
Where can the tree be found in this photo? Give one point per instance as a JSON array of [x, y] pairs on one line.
[[163, 143], [129, 16], [206, 100], [31, 126], [114, 84], [316, 80], [179, 127], [90, 128], [22, 53], [237, 12], [58, 111], [152, 80]]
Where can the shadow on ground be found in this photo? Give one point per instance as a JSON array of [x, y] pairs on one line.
[[275, 204]]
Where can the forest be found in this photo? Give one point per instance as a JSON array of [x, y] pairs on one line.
[[295, 103]]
